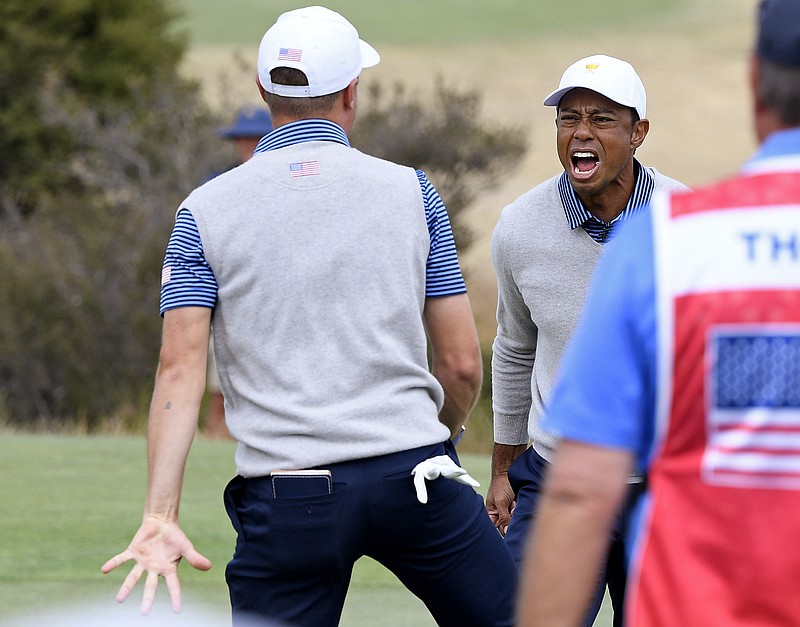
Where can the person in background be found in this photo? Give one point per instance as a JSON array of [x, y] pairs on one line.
[[545, 247], [690, 343], [329, 273], [251, 124]]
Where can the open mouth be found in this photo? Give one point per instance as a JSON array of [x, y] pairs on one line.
[[584, 164]]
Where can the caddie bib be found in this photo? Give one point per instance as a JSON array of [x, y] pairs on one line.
[[720, 541]]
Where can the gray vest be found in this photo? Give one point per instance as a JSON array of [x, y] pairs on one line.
[[318, 329]]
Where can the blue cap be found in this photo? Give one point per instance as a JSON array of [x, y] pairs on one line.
[[250, 122], [779, 31]]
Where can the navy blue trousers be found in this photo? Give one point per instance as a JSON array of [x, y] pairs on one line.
[[294, 556], [526, 476]]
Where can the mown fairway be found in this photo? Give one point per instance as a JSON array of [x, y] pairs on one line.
[[420, 22], [70, 503]]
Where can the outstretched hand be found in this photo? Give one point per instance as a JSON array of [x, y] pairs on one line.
[[157, 548]]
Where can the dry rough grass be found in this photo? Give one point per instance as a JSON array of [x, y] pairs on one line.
[[693, 65]]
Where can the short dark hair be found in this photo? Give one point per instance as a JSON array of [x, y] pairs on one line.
[[779, 90], [296, 107]]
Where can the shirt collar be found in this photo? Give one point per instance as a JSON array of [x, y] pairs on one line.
[[312, 130], [779, 151], [577, 214]]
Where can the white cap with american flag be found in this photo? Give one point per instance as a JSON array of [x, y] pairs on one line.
[[320, 43]]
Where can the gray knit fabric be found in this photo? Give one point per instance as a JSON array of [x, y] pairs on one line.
[[318, 328], [543, 272]]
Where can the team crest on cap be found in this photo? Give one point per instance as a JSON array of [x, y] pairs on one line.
[[592, 66]]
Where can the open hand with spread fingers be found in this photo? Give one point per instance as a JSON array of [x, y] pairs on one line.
[[157, 548]]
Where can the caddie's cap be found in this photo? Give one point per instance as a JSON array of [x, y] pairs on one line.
[[250, 122], [613, 78], [320, 43], [779, 31]]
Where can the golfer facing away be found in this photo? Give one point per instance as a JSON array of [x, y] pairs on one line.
[[321, 269]]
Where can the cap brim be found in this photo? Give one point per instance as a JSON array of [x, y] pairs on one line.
[[369, 56], [554, 98]]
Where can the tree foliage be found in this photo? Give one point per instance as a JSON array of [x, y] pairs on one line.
[[106, 139], [79, 328], [93, 53]]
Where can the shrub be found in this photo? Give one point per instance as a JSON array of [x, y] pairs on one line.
[[443, 135]]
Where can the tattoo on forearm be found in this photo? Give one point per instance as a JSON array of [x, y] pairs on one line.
[[168, 405]]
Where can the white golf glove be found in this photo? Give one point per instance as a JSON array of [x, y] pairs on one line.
[[432, 468]]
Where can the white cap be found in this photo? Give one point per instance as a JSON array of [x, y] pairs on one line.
[[613, 78], [320, 43]]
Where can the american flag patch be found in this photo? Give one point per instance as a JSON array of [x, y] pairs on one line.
[[754, 409], [304, 168], [290, 54], [166, 275]]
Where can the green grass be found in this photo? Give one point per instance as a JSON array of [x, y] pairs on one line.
[[421, 22], [71, 502]]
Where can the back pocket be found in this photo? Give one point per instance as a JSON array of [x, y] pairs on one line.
[[294, 535]]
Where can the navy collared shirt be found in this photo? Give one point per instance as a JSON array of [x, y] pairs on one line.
[[603, 232]]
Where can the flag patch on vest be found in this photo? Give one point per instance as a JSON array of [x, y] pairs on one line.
[[753, 416], [304, 168]]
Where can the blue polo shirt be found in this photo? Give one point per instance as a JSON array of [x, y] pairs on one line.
[[188, 281]]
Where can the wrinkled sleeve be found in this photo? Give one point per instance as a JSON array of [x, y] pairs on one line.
[[513, 350]]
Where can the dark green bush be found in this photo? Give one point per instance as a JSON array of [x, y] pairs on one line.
[[100, 138], [79, 324]]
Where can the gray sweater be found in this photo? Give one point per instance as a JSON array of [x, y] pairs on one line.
[[318, 328], [543, 271]]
